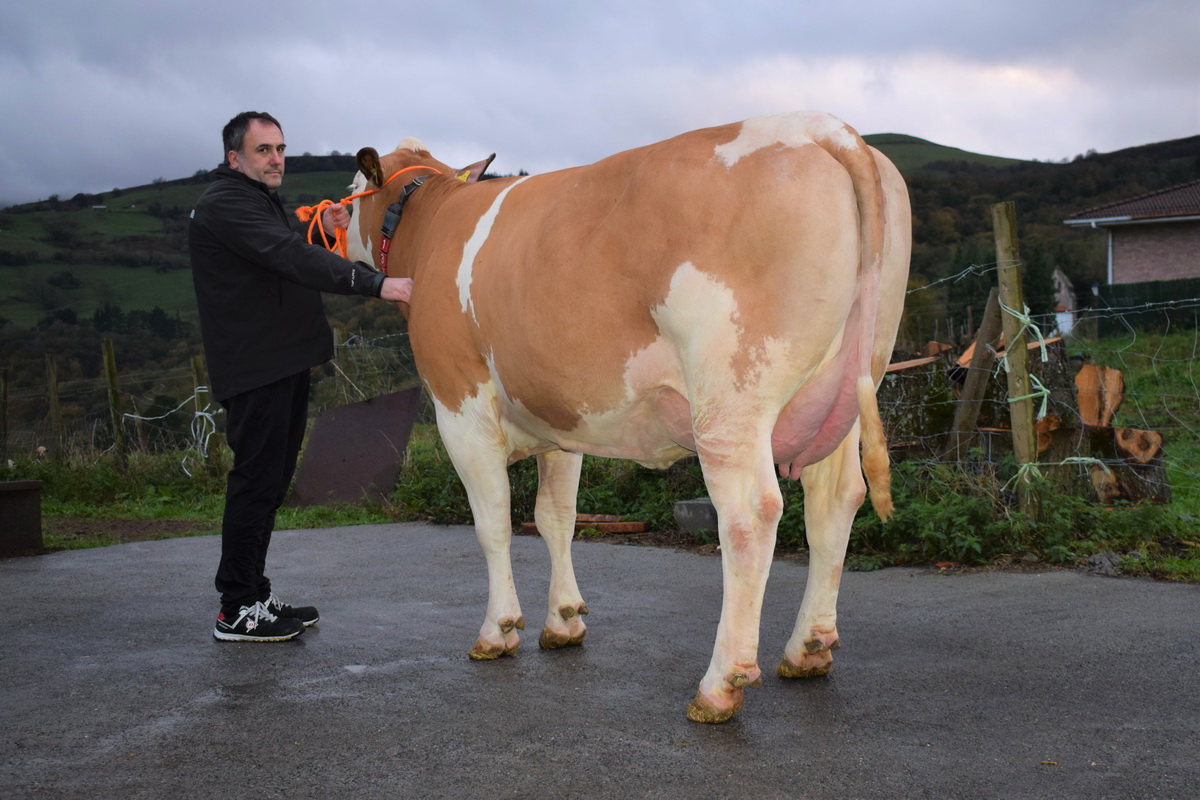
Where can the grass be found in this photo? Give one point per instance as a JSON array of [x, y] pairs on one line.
[[91, 502], [911, 154], [1162, 393], [23, 299], [980, 528], [154, 498], [129, 288]]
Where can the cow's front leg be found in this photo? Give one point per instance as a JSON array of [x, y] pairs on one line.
[[747, 534], [558, 485], [476, 447], [833, 491]]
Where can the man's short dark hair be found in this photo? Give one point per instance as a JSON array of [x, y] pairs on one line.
[[235, 130]]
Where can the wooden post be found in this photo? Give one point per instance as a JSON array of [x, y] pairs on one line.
[[338, 376], [1012, 295], [57, 434], [215, 442], [967, 412], [200, 392], [115, 412], [3, 415]]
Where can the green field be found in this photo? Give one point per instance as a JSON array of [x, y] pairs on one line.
[[911, 154], [58, 240], [127, 288]]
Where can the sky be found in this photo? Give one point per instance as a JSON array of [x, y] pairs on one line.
[[119, 93]]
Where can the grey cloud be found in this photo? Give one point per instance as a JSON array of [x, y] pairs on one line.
[[105, 94]]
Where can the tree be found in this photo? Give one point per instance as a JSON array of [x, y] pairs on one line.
[[108, 318], [64, 280]]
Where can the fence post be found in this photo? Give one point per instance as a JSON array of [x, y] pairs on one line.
[[3, 414], [198, 385], [966, 414], [1012, 297], [115, 411], [339, 336], [57, 434], [215, 441]]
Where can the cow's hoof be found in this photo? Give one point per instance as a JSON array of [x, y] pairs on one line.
[[552, 640], [815, 661], [702, 709], [490, 646], [727, 699], [488, 651], [566, 628], [811, 666]]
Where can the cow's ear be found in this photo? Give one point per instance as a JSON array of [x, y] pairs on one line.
[[475, 171], [368, 163]]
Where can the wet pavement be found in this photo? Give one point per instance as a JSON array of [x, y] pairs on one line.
[[1022, 685]]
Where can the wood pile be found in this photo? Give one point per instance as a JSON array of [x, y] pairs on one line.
[[604, 523], [1080, 451]]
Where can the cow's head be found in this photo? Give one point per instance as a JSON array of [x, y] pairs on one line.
[[383, 178]]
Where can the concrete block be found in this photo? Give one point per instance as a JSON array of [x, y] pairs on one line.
[[696, 516]]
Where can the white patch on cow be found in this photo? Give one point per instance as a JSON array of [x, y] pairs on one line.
[[355, 249], [483, 229], [412, 143], [477, 435], [789, 130], [701, 314]]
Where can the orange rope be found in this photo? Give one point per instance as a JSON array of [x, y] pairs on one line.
[[312, 214]]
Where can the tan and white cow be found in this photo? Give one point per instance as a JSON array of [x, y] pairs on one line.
[[733, 292]]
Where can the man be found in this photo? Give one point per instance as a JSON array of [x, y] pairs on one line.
[[258, 286]]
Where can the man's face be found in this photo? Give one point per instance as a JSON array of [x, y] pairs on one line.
[[261, 156]]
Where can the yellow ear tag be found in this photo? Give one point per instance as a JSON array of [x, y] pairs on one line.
[[462, 176]]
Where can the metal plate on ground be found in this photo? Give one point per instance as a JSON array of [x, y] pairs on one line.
[[355, 451]]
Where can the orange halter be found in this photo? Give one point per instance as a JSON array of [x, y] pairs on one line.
[[312, 214]]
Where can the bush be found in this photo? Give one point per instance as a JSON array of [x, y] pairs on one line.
[[944, 513]]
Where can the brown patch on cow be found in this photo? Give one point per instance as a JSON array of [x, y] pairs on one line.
[[436, 320], [565, 286]]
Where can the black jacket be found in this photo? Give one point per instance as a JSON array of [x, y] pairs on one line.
[[258, 285]]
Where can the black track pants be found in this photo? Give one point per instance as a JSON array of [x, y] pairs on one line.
[[264, 427]]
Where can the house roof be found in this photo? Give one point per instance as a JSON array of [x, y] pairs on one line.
[[1174, 201]]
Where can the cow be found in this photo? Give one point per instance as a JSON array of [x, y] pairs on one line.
[[732, 292]]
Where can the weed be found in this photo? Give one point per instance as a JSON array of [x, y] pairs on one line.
[[943, 512]]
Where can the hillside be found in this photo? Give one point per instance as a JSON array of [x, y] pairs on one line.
[[912, 155], [126, 249]]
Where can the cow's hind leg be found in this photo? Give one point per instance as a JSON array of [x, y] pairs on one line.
[[558, 485], [833, 491], [745, 493], [476, 447]]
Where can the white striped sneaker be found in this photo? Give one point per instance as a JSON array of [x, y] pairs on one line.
[[306, 614], [256, 624]]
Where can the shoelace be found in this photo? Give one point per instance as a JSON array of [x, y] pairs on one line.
[[276, 602], [260, 612]]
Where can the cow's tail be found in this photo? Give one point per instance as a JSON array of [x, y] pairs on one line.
[[856, 157]]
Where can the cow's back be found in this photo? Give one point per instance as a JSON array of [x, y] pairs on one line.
[[599, 296]]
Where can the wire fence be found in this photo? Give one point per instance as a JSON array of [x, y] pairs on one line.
[[1152, 344]]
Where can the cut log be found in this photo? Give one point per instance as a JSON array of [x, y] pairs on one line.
[[965, 358], [605, 523], [1057, 374], [1099, 392], [1128, 463], [936, 348]]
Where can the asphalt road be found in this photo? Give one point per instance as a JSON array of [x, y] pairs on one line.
[[1015, 685]]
